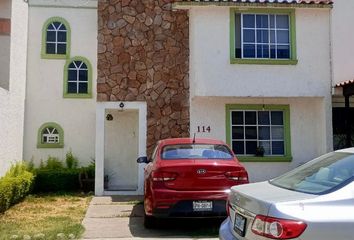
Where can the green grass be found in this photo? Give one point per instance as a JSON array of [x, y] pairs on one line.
[[48, 214]]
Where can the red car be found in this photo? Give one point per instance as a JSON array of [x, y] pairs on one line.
[[189, 178]]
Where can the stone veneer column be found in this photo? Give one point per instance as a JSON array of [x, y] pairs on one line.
[[143, 55]]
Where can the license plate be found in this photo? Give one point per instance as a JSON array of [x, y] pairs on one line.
[[240, 224], [202, 206]]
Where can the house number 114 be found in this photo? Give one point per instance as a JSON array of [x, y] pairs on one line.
[[203, 129]]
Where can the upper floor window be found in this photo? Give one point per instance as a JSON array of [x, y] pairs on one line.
[[78, 78], [56, 38], [256, 131], [50, 135], [263, 37]]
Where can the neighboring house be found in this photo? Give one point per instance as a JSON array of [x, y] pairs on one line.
[[61, 80], [260, 76], [13, 48], [342, 61]]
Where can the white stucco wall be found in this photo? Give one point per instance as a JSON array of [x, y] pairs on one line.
[[12, 100], [44, 100], [306, 86], [211, 73], [342, 40], [307, 120]]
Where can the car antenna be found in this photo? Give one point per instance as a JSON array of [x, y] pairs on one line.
[[193, 139]]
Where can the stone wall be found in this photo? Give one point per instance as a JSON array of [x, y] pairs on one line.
[[143, 55]]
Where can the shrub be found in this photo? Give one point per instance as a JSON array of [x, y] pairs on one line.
[[53, 163], [71, 160], [52, 176], [15, 185], [54, 180]]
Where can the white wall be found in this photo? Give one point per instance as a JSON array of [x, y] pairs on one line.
[[307, 120], [44, 100], [306, 86], [211, 73], [12, 100], [342, 40]]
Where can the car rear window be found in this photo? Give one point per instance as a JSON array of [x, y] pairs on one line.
[[320, 176], [196, 151]]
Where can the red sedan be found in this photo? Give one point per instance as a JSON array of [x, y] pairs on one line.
[[189, 178]]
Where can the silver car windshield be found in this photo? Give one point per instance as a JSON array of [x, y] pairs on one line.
[[320, 176], [196, 151]]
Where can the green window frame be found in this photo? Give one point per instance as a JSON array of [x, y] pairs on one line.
[[50, 135], [78, 71], [268, 61], [47, 26], [286, 156]]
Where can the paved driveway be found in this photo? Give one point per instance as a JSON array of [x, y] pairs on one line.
[[122, 218]]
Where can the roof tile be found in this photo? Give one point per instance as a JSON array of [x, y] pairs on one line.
[[345, 83], [269, 1]]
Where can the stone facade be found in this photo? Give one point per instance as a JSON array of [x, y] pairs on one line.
[[143, 55]]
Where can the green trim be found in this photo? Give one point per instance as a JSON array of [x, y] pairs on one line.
[[186, 5], [40, 144], [287, 137], [293, 56], [44, 55], [264, 61], [58, 6], [89, 79]]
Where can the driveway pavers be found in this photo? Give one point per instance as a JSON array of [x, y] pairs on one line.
[[122, 218]]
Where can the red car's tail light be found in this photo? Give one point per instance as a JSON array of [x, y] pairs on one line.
[[277, 228], [240, 176], [163, 176], [228, 207]]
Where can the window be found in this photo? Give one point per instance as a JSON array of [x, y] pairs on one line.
[[77, 78], [254, 129], [195, 151], [320, 176], [56, 36], [263, 37], [50, 135], [5, 26]]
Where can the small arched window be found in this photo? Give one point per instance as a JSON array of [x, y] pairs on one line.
[[50, 135], [56, 38], [78, 78]]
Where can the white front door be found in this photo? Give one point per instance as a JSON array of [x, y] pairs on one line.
[[121, 150]]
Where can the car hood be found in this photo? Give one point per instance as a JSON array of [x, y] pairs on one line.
[[257, 198]]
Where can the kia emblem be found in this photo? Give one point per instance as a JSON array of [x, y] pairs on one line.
[[201, 171]]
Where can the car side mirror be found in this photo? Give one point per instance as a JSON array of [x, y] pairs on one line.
[[142, 160]]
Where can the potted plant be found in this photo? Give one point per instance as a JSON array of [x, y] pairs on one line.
[[107, 177], [260, 151], [87, 177]]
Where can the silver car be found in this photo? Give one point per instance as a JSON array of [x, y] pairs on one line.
[[312, 202]]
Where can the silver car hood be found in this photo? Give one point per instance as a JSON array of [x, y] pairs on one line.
[[257, 198]]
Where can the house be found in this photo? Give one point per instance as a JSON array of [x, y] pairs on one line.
[[13, 48], [342, 62], [108, 79], [61, 80], [260, 76]]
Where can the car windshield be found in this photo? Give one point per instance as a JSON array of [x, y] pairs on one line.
[[196, 151], [320, 176]]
